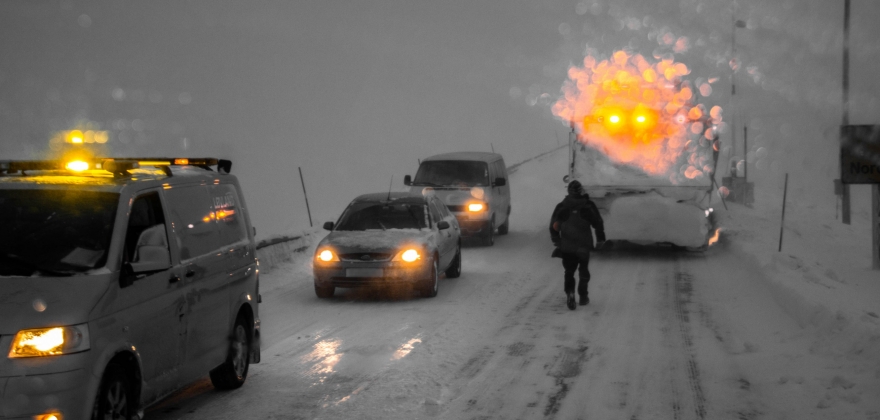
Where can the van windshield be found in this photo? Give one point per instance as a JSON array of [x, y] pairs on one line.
[[458, 173], [54, 232], [383, 216]]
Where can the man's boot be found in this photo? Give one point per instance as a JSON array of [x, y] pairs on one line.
[[569, 300]]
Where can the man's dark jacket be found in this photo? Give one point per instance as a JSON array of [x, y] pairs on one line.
[[573, 218]]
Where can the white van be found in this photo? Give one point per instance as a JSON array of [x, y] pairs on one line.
[[122, 280], [474, 186]]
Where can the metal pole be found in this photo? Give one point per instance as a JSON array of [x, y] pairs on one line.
[[782, 224], [875, 220], [305, 195], [493, 147], [746, 153], [844, 197]]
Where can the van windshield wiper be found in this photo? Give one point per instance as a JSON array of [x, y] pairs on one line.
[[426, 183], [32, 267]]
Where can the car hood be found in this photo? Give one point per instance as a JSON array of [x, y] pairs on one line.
[[34, 302], [388, 241]]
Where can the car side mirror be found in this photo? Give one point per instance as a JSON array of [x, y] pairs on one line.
[[328, 225], [441, 225], [500, 182], [407, 180]]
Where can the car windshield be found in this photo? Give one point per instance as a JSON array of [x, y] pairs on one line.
[[383, 216], [452, 173], [54, 232]]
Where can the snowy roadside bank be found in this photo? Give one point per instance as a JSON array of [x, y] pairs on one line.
[[822, 277]]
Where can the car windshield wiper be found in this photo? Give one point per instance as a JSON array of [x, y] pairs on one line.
[[35, 268]]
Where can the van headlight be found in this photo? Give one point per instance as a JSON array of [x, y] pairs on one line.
[[50, 341], [476, 207]]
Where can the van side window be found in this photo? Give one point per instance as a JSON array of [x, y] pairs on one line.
[[146, 227], [230, 218], [192, 216]]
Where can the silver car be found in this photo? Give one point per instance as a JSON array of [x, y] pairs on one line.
[[389, 239]]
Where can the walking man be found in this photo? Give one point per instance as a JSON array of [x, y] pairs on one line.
[[570, 231]]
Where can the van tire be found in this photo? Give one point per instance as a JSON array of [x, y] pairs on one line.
[[502, 230], [324, 292], [489, 236], [233, 372], [115, 399]]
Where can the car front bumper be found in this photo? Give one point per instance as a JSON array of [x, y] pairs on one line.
[[356, 274]]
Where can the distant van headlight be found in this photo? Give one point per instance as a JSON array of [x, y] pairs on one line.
[[50, 341], [475, 207]]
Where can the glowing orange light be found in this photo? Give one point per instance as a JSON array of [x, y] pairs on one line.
[[181, 161], [75, 137], [475, 207], [325, 255], [410, 255], [714, 238], [638, 112], [77, 165]]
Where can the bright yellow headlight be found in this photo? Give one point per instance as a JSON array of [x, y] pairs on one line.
[[327, 256], [475, 207], [50, 341], [410, 255], [77, 165]]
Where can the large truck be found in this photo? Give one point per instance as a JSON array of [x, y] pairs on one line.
[[643, 209]]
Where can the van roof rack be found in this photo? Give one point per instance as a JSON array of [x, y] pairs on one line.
[[118, 166]]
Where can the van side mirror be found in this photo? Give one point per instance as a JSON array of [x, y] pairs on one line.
[[328, 225], [441, 225], [500, 182], [151, 258], [407, 180]]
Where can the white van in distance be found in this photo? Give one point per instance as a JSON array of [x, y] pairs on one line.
[[473, 185]]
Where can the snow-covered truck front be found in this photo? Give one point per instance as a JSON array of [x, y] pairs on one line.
[[644, 148]]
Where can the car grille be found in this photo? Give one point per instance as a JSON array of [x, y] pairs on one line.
[[365, 256], [456, 207]]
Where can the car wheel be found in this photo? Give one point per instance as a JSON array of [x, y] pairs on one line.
[[454, 269], [502, 230], [489, 236], [233, 372], [324, 292], [114, 400], [432, 284]]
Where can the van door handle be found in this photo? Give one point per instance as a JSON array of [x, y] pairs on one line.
[[174, 279], [190, 273]]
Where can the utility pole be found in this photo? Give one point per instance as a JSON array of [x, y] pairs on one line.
[[844, 194]]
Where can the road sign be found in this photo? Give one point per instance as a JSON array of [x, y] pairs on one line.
[[860, 154]]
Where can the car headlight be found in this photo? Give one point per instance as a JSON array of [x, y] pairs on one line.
[[475, 207], [50, 341], [408, 255], [326, 255]]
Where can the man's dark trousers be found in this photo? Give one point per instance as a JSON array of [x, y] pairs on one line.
[[571, 262]]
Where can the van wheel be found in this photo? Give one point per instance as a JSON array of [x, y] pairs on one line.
[[489, 236], [454, 269], [502, 230], [114, 400], [432, 284], [324, 292], [233, 372]]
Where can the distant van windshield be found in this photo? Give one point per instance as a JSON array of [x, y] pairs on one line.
[[452, 173]]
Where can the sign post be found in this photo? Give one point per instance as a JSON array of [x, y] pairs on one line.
[[860, 164]]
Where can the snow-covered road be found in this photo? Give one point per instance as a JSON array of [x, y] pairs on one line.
[[667, 335]]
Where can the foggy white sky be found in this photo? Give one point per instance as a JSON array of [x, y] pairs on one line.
[[355, 93]]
